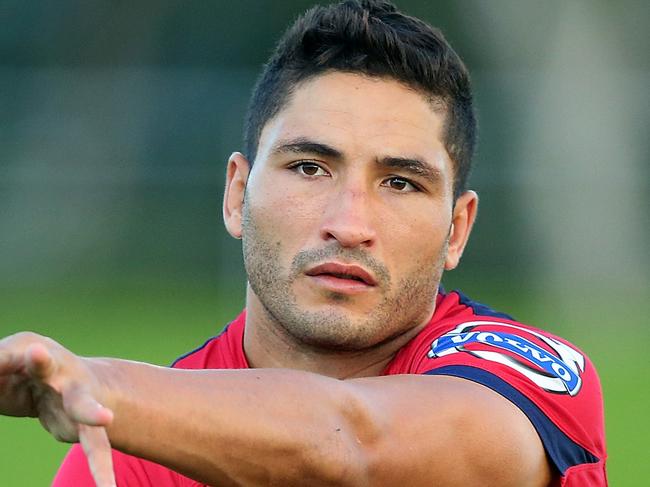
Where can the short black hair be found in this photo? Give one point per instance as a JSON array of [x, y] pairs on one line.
[[372, 38]]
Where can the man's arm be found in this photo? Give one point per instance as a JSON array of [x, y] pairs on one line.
[[287, 427]]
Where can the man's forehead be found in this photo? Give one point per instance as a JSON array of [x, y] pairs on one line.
[[349, 111], [341, 92]]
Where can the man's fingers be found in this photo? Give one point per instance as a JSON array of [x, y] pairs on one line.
[[78, 404], [82, 408], [97, 448]]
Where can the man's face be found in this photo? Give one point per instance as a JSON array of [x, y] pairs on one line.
[[347, 212]]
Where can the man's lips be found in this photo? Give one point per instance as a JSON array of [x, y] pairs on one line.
[[348, 272]]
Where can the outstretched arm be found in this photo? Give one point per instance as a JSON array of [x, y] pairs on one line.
[[286, 427]]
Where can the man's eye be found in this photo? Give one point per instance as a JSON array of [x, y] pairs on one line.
[[400, 184], [309, 169]]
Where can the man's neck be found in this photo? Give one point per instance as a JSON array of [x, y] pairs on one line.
[[268, 345]]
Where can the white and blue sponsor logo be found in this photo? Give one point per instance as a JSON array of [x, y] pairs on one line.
[[555, 372]]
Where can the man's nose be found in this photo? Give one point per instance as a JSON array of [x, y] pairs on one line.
[[347, 219]]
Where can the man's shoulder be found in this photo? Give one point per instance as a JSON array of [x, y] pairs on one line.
[[458, 322], [472, 333], [551, 380]]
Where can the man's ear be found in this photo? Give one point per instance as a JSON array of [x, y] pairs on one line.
[[462, 221], [233, 196]]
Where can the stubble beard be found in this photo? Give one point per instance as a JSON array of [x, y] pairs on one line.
[[404, 306]]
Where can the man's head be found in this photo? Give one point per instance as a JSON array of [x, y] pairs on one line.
[[351, 211], [374, 39]]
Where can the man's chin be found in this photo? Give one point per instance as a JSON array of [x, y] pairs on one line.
[[334, 327], [340, 306]]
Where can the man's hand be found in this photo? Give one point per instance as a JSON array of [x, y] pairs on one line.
[[40, 378]]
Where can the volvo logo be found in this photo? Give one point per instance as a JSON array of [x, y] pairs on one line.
[[558, 371]]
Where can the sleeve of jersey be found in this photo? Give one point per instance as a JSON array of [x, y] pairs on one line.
[[551, 381], [129, 472]]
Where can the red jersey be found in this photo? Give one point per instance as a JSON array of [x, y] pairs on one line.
[[550, 380]]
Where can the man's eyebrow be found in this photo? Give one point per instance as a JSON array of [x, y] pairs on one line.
[[415, 166], [307, 146]]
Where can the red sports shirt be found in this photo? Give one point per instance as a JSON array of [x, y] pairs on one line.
[[549, 379]]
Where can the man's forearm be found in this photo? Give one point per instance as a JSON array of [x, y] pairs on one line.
[[234, 427], [273, 426]]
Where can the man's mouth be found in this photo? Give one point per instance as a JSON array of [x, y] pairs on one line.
[[346, 275]]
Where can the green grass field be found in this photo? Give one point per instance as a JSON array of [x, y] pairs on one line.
[[156, 323]]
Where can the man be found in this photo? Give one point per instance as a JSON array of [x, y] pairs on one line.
[[349, 366]]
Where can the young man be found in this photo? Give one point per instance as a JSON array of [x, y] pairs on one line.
[[349, 366]]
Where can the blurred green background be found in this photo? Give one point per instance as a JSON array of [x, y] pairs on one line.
[[116, 119]]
